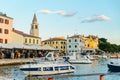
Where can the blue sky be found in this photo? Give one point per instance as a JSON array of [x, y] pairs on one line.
[[66, 17]]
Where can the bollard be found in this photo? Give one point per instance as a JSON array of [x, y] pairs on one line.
[[101, 77], [50, 78]]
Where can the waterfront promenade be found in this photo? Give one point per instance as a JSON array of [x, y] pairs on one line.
[[4, 62], [15, 61]]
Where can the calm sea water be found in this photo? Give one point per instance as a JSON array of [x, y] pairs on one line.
[[98, 66]]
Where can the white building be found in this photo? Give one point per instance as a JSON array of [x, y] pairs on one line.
[[75, 44]]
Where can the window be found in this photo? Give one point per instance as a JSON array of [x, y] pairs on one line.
[[33, 41], [36, 27], [45, 43], [1, 20], [56, 46], [6, 21], [69, 40], [29, 40], [6, 41], [37, 41], [25, 40], [0, 30], [75, 40], [61, 42], [53, 42], [69, 46], [88, 45], [6, 31], [61, 47], [56, 42], [75, 46], [1, 40], [80, 40]]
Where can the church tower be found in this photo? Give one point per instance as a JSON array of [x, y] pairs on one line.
[[34, 27]]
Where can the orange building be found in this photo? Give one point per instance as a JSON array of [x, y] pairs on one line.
[[6, 24]]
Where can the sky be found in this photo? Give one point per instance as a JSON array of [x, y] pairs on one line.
[[66, 17]]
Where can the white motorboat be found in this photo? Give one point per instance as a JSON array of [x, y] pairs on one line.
[[76, 58], [47, 67]]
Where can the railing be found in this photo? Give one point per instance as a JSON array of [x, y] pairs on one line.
[[101, 75]]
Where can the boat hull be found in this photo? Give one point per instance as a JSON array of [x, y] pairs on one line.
[[47, 69], [41, 73], [113, 68]]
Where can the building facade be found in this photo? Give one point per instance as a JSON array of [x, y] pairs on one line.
[[56, 42], [23, 38], [6, 25], [75, 44], [91, 41]]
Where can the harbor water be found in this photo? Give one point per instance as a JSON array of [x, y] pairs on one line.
[[98, 66]]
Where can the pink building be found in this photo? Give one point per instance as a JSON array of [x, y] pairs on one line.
[[6, 25]]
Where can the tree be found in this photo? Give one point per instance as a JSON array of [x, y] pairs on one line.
[[106, 46]]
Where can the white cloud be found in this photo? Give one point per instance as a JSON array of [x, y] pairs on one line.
[[59, 12], [96, 18], [46, 12]]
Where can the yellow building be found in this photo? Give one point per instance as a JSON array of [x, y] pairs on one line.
[[23, 38], [91, 41], [6, 24], [56, 42]]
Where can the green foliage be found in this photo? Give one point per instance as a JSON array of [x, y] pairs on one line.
[[106, 46]]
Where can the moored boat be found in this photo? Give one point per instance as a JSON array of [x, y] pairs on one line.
[[78, 59], [47, 68], [114, 67]]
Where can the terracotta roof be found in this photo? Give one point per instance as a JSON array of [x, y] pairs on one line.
[[55, 39], [4, 15], [24, 34], [75, 36]]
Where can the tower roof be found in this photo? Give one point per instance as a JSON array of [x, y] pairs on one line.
[[34, 19]]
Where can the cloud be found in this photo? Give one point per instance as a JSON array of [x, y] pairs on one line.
[[96, 18], [59, 12], [46, 12]]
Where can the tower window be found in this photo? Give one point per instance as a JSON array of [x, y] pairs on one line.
[[36, 26]]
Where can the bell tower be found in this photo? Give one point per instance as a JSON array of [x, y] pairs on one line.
[[34, 27]]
